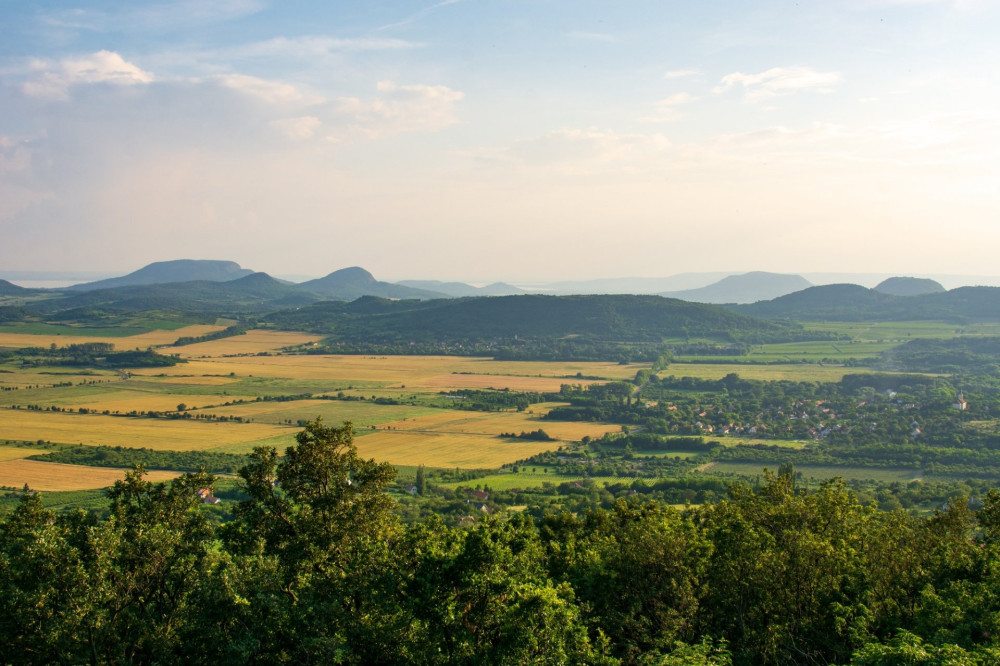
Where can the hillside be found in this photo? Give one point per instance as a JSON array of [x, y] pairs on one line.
[[164, 272], [908, 286], [348, 284], [461, 289], [9, 289], [615, 318], [848, 302], [747, 288]]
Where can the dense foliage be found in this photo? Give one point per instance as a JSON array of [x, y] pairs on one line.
[[315, 568]]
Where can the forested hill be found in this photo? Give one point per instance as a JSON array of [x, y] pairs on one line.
[[253, 293], [609, 318], [180, 270], [8, 289], [849, 302]]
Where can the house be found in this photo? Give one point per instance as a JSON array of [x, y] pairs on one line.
[[960, 403], [206, 496]]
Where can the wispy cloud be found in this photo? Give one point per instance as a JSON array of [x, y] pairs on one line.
[[679, 73], [779, 81], [666, 109], [152, 16], [419, 14], [592, 36], [270, 91], [400, 108], [53, 79], [312, 46]]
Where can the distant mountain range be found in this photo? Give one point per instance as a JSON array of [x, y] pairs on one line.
[[165, 272], [746, 288], [8, 289], [461, 289], [850, 302]]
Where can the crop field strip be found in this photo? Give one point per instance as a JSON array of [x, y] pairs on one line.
[[17, 453], [796, 372], [362, 414], [450, 450], [157, 338], [821, 472], [252, 342], [46, 476], [161, 434]]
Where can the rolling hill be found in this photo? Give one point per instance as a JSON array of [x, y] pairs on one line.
[[746, 288], [165, 272]]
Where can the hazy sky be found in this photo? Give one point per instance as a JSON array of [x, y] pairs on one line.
[[515, 139]]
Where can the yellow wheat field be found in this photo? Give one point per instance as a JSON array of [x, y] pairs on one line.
[[16, 453], [252, 342], [161, 434], [412, 372], [142, 341], [402, 447], [494, 423], [53, 477]]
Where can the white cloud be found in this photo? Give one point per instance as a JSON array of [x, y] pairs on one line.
[[400, 108], [779, 81], [274, 92], [53, 79], [303, 127]]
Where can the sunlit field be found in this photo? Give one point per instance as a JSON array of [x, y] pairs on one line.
[[468, 451], [251, 342], [796, 372], [16, 453], [46, 476], [163, 434], [10, 337]]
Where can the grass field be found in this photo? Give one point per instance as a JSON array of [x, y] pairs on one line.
[[821, 473], [527, 479], [362, 414], [57, 477], [796, 372], [162, 434], [901, 331]]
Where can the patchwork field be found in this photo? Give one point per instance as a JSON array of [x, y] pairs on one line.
[[163, 434], [47, 476]]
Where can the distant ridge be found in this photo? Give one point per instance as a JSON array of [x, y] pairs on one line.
[[746, 288], [348, 284], [8, 289], [461, 289], [851, 302], [909, 286], [165, 272]]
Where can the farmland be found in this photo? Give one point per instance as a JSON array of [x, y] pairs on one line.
[[239, 392]]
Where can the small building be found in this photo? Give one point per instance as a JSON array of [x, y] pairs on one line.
[[960, 404]]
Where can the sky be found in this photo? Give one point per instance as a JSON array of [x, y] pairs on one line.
[[516, 140]]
